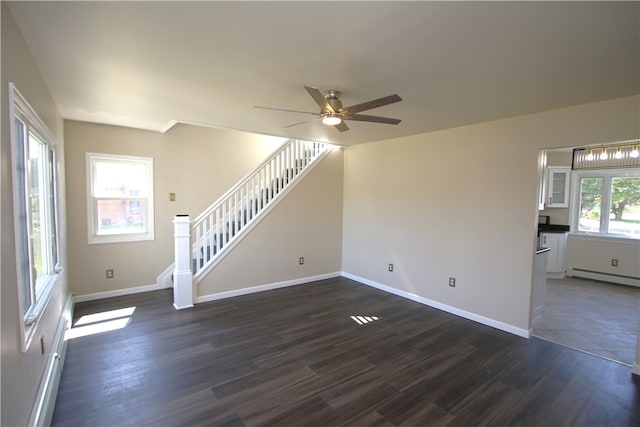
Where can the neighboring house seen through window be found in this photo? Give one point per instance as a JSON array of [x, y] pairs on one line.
[[119, 198], [33, 156]]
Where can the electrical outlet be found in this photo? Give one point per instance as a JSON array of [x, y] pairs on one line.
[[452, 282], [390, 267], [172, 197], [614, 262], [301, 260], [110, 273]]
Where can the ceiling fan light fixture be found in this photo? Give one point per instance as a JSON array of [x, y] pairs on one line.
[[331, 119]]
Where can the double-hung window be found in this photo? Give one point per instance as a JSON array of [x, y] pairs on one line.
[[119, 198], [34, 174]]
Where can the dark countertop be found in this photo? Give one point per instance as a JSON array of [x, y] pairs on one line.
[[553, 228]]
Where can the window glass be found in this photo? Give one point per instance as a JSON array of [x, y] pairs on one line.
[[53, 212], [590, 200], [624, 217], [120, 178], [119, 216], [22, 236], [35, 181]]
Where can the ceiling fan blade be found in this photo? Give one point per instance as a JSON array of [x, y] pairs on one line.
[[342, 127], [299, 123], [375, 119], [284, 109], [373, 104], [320, 99]]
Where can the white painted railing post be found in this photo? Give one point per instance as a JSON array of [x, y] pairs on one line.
[[182, 275]]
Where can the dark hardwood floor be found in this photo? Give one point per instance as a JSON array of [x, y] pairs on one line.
[[295, 357]]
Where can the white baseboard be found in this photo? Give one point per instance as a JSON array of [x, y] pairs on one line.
[[605, 277], [525, 333], [261, 288], [45, 402], [119, 292]]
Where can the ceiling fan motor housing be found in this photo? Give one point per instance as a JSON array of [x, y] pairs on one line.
[[333, 99]]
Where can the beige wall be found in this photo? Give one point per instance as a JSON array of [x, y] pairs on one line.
[[595, 255], [198, 164], [21, 372], [463, 203], [306, 223]]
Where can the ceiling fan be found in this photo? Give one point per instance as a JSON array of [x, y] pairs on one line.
[[332, 113]]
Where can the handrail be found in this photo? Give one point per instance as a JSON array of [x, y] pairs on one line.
[[243, 180]]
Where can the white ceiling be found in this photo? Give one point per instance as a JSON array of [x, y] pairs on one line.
[[149, 64]]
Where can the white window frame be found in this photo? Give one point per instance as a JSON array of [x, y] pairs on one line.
[[34, 290], [92, 215], [606, 175]]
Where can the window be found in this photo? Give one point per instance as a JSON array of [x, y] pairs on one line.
[[119, 198], [33, 156], [608, 203]]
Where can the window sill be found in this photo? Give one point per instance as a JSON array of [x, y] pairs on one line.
[[33, 316], [120, 238], [604, 238]]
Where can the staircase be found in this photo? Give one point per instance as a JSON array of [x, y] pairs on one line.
[[223, 224]]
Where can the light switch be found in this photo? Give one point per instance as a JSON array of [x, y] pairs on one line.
[[172, 197]]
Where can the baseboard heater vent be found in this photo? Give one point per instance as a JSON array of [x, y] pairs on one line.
[[605, 277], [44, 405]]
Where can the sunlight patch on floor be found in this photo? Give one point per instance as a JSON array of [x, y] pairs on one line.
[[97, 323], [362, 320], [105, 315]]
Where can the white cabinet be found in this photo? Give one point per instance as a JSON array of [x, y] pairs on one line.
[[558, 179], [557, 242]]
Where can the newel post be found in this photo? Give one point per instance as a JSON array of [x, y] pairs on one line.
[[182, 275]]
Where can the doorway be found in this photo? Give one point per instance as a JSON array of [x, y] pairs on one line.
[[591, 316]]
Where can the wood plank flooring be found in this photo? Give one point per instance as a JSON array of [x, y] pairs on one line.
[[295, 357]]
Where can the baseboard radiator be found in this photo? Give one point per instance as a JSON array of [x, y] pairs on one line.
[[45, 402], [605, 277]]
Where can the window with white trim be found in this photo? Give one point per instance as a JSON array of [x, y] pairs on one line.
[[35, 184], [119, 198], [607, 202]]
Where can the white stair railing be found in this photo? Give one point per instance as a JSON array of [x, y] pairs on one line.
[[221, 225]]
